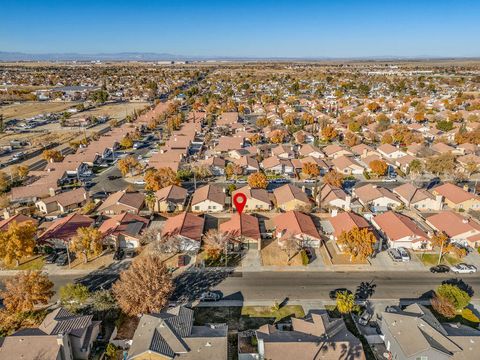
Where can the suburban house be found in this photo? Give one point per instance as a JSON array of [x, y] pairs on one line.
[[310, 150], [18, 218], [347, 221], [414, 333], [170, 199], [60, 336], [209, 198], [61, 231], [248, 164], [283, 152], [334, 151], [390, 152], [458, 228], [186, 227], [417, 198], [257, 199], [243, 228], [276, 165], [347, 165], [172, 335], [298, 225], [289, 197], [335, 197], [315, 336], [401, 231], [215, 164], [379, 198], [63, 202], [457, 198], [123, 230], [122, 201]]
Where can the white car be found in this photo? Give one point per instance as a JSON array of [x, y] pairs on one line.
[[464, 269], [404, 254], [139, 182]]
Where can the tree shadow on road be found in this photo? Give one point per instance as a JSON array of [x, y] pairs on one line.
[[191, 284]]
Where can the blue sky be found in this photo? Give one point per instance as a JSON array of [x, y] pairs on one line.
[[259, 28]]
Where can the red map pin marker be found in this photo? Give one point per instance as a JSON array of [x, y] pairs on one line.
[[239, 200]]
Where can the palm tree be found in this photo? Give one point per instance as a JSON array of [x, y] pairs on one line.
[[150, 200]]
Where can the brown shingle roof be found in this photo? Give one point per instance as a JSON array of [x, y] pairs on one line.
[[186, 224], [296, 223], [211, 192], [289, 192], [242, 225]]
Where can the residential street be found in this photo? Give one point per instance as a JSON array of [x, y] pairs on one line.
[[297, 286]]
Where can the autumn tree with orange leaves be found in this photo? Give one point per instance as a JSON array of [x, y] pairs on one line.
[[26, 290], [334, 178], [358, 243], [310, 170], [156, 179], [379, 167], [17, 241], [258, 180], [145, 287], [329, 133]]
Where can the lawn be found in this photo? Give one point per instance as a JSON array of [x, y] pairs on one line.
[[286, 311], [431, 259], [32, 263], [245, 318]]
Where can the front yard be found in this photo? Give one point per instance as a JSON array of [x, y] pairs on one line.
[[273, 255], [431, 259], [35, 262], [247, 317]]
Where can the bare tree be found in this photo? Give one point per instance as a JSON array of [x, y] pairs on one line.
[[291, 245]]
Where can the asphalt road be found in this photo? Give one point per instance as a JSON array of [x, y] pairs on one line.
[[317, 286], [297, 286]]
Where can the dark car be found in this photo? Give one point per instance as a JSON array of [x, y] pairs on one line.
[[113, 177], [51, 258], [440, 269], [130, 253], [333, 293], [62, 260], [119, 254]]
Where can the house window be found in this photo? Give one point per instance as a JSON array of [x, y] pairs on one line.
[[197, 207]]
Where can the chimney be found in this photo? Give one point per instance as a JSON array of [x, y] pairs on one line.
[[438, 202], [348, 200]]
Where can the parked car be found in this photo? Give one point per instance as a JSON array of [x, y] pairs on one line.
[[130, 253], [119, 254], [51, 258], [404, 254], [364, 318], [464, 269], [210, 296], [394, 254], [440, 269], [139, 182], [62, 259]]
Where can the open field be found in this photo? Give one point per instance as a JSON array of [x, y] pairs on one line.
[[115, 111], [32, 108]]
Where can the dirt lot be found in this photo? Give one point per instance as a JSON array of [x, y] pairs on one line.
[[32, 108], [272, 255], [114, 111]]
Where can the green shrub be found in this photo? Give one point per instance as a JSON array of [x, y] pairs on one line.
[[305, 259]]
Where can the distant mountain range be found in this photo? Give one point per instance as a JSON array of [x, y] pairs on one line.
[[150, 56]]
